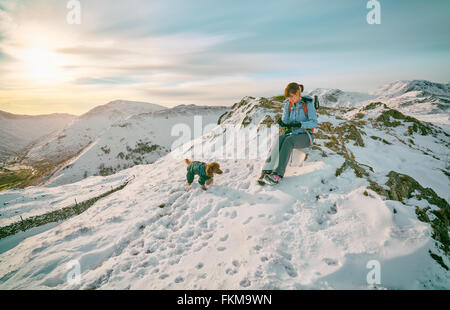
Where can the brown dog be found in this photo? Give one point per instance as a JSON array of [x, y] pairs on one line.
[[204, 171]]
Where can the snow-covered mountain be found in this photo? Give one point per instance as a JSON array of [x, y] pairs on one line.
[[332, 97], [421, 88], [372, 190], [138, 139], [85, 130], [425, 100], [18, 132]]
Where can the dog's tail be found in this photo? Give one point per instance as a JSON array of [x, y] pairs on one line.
[[187, 161]]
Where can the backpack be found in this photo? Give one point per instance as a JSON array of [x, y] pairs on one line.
[[305, 107]]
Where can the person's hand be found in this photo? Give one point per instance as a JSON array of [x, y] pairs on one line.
[[281, 123], [295, 125]]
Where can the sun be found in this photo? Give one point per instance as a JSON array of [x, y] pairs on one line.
[[41, 65]]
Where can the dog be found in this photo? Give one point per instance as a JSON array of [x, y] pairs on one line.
[[204, 171]]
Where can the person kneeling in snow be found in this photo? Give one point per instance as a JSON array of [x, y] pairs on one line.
[[299, 119]]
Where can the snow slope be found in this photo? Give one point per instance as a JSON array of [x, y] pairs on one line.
[[319, 228], [18, 131]]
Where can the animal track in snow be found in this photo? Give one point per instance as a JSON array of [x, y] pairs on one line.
[[245, 185], [330, 261], [233, 214], [245, 283], [333, 209], [202, 276], [248, 220], [179, 279]]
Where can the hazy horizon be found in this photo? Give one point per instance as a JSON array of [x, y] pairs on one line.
[[209, 53], [149, 102]]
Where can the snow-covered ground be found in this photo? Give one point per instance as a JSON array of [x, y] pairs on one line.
[[317, 229], [338, 98]]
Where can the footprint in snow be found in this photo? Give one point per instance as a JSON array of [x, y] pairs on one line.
[[333, 209], [245, 283], [330, 261], [290, 270], [248, 220], [285, 254], [245, 185], [179, 279], [134, 252], [257, 248]]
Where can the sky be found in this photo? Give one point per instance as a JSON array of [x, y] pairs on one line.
[[210, 52]]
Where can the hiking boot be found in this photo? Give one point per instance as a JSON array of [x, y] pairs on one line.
[[264, 172], [272, 178]]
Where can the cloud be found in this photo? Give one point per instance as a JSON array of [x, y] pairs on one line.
[[202, 52], [106, 80], [172, 92], [93, 51]]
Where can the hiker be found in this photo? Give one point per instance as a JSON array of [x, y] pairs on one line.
[[299, 119]]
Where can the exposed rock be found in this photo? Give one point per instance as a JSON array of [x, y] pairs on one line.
[[359, 171], [417, 126], [372, 106]]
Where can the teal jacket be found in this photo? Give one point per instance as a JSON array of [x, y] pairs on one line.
[[298, 114], [197, 168]]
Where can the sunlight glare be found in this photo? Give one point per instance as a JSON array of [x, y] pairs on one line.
[[41, 65]]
